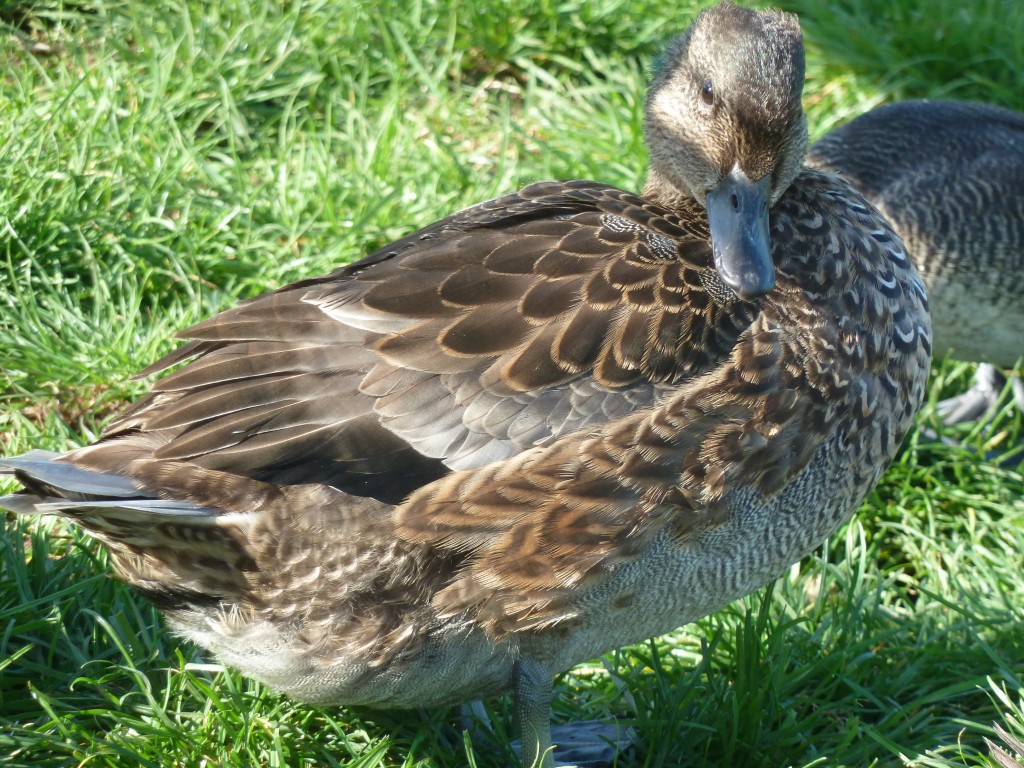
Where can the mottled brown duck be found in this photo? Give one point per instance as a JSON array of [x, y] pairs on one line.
[[949, 177], [557, 422]]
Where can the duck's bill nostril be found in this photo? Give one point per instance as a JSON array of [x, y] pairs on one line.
[[738, 219]]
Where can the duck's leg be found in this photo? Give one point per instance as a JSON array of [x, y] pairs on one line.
[[573, 745], [533, 685]]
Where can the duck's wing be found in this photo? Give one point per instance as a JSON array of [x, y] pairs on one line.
[[511, 323]]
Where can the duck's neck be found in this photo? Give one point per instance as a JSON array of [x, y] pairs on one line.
[[658, 189]]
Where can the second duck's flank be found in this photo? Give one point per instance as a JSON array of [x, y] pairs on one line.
[[949, 176]]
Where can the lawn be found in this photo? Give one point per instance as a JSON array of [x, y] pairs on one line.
[[162, 160]]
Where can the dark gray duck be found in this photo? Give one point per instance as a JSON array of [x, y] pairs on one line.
[[549, 425], [949, 176]]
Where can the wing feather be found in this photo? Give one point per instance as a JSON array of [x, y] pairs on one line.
[[500, 328]]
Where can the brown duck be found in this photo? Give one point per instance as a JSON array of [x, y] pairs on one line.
[[557, 422], [949, 177]]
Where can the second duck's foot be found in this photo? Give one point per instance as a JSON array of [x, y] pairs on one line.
[[979, 400]]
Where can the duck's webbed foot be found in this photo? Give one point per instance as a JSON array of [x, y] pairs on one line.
[[978, 402], [590, 744]]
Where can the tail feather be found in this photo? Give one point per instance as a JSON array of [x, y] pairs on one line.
[[174, 550], [190, 536], [43, 473], [156, 507], [22, 504], [230, 559], [58, 488]]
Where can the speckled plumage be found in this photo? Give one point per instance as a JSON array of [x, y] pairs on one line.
[[530, 433]]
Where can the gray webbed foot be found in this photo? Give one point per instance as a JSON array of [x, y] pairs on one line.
[[979, 401]]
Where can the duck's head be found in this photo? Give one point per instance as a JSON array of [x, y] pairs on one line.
[[725, 126]]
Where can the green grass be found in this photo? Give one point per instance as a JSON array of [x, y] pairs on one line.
[[162, 160]]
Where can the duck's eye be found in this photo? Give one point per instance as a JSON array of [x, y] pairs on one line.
[[707, 93]]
